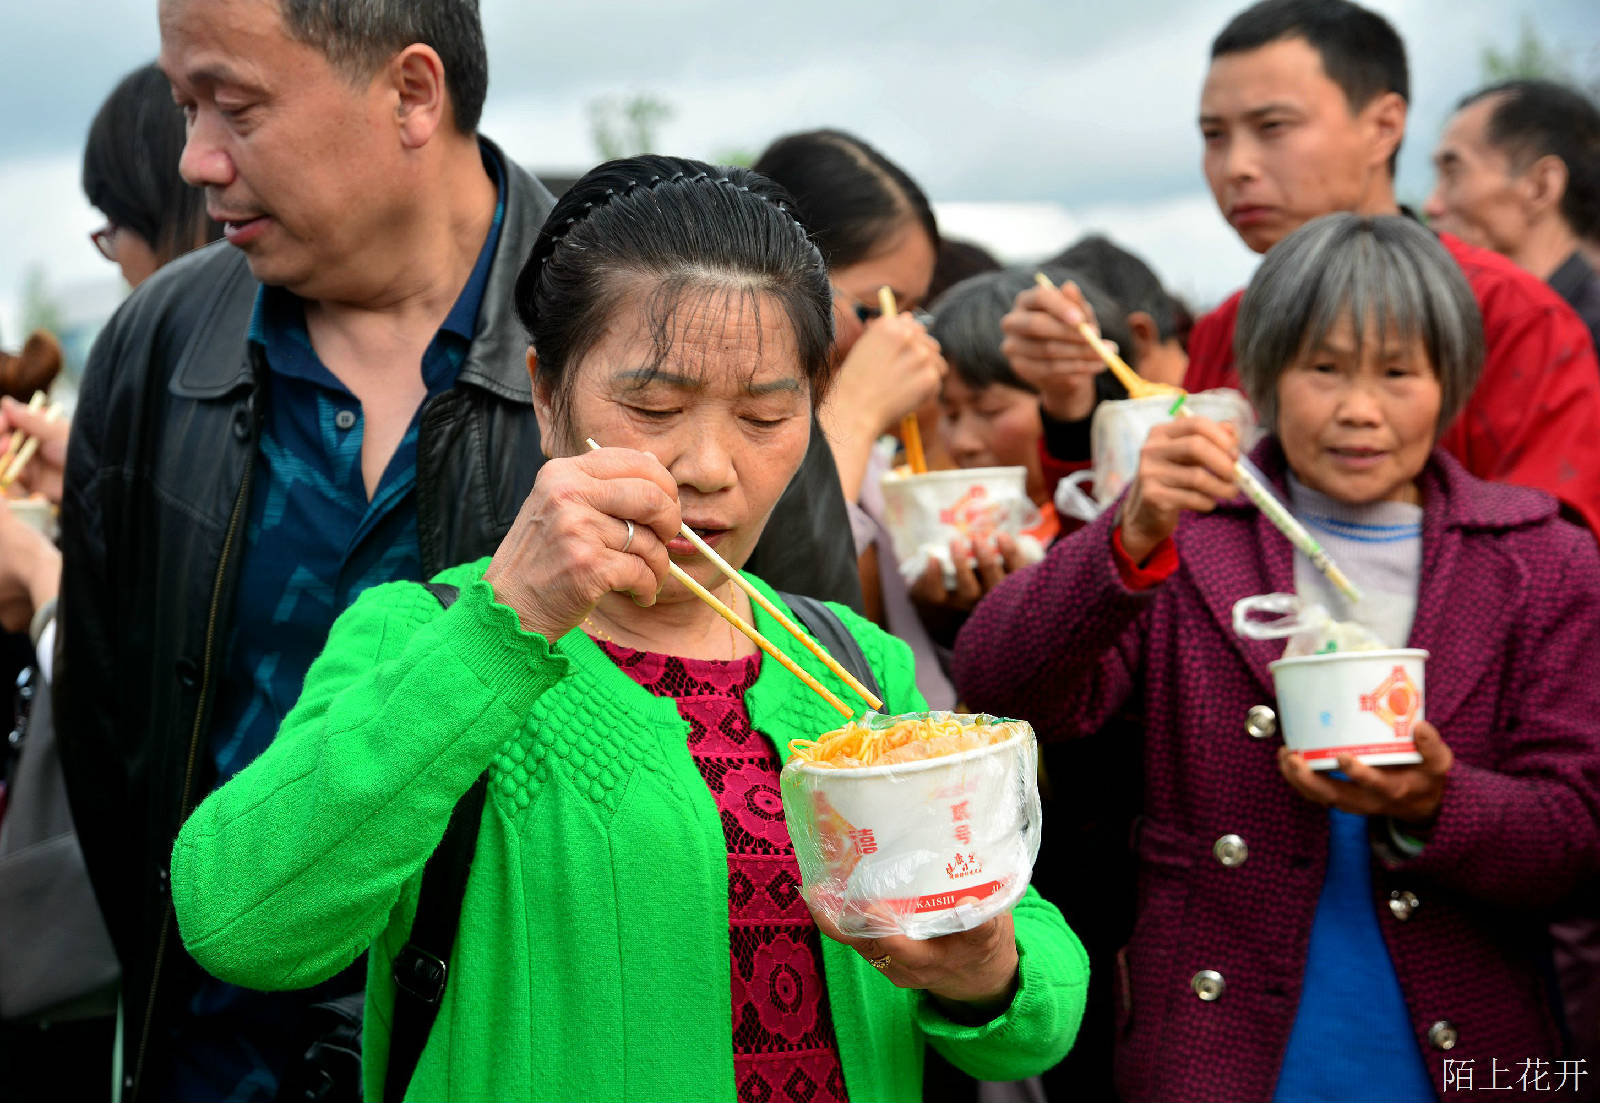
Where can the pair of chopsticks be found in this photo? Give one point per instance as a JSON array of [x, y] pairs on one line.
[[910, 432], [1136, 385], [1252, 484], [757, 638], [23, 447]]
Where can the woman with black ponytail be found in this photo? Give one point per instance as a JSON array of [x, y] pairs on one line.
[[632, 926]]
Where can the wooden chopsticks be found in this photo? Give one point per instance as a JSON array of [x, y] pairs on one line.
[[1136, 385], [910, 431], [773, 611], [22, 447]]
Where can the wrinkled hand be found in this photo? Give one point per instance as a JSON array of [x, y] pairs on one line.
[[1045, 350], [1410, 795], [977, 968], [890, 371], [997, 561], [43, 473], [1185, 464], [563, 552], [30, 570]]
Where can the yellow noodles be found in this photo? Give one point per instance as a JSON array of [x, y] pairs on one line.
[[908, 739]]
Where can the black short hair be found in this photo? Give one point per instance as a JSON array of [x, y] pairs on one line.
[[1129, 280], [851, 197], [1540, 118], [680, 225], [130, 167], [966, 321], [359, 36], [1361, 51]]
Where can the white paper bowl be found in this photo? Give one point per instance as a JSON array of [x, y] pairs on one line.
[[924, 513], [1361, 703], [1117, 435], [891, 849]]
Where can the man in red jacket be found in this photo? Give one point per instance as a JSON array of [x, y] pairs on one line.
[[1302, 113]]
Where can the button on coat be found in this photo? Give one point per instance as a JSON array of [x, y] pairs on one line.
[[1402, 904], [1230, 850], [1208, 984], [1261, 722]]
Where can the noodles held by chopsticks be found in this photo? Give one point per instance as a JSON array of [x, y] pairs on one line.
[[885, 740]]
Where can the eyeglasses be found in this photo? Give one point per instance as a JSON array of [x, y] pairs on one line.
[[105, 240], [869, 313]]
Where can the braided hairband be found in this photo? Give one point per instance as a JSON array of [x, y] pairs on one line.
[[547, 243]]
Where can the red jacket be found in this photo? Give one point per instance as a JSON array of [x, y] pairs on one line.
[[1534, 418], [1509, 607]]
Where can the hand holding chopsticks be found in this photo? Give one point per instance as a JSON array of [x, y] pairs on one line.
[[1135, 384], [23, 446], [910, 431], [772, 610]]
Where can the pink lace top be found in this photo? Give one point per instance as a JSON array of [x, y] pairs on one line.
[[783, 1042]]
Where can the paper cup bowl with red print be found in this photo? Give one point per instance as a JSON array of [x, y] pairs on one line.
[[1365, 704], [924, 513], [896, 849]]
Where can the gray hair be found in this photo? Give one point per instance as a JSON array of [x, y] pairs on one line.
[[966, 321], [1386, 268], [359, 36]]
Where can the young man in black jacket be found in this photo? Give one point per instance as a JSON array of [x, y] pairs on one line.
[[336, 397]]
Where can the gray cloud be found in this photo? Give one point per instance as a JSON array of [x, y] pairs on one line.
[[1090, 105]]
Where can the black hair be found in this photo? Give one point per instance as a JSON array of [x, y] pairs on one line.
[[1129, 280], [1540, 118], [683, 226], [1361, 51], [852, 198], [966, 322], [130, 167], [359, 36], [957, 261]]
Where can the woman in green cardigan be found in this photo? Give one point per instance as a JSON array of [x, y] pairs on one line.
[[632, 927]]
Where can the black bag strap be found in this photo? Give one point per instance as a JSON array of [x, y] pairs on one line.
[[823, 623], [421, 968]]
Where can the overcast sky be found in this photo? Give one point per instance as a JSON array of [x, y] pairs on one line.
[[1090, 106]]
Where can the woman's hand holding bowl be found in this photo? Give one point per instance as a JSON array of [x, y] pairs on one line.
[[1185, 464], [997, 559], [570, 544], [1409, 795], [976, 969]]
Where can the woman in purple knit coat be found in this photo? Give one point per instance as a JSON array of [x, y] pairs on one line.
[[1376, 932]]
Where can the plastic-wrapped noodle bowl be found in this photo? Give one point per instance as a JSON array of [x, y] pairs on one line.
[[922, 824]]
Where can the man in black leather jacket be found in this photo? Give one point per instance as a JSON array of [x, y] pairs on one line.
[[169, 428]]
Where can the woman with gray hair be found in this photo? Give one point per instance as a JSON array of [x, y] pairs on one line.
[[1379, 931]]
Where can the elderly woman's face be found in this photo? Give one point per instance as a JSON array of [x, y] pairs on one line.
[[1359, 428], [728, 412]]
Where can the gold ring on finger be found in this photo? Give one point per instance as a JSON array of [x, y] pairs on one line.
[[879, 963]]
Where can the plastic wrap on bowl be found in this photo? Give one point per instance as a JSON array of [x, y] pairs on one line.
[[924, 847], [924, 513]]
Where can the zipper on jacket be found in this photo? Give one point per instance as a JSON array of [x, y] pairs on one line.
[[194, 751]]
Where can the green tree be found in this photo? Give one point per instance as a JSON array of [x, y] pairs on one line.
[[734, 155], [1530, 57], [626, 126], [40, 309]]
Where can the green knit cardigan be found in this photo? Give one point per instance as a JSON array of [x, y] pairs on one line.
[[592, 960]]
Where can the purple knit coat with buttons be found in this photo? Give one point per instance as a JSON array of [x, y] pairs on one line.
[[1508, 606]]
